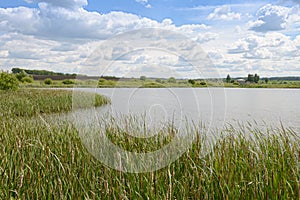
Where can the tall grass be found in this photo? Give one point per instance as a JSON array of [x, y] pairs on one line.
[[43, 158], [30, 102]]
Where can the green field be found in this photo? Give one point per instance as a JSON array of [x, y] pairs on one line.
[[42, 157]]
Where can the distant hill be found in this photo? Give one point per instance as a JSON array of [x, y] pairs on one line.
[[288, 78]]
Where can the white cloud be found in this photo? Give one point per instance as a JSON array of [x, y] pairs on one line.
[[274, 46], [261, 53], [270, 18], [70, 4], [148, 6], [223, 13], [144, 3], [64, 23], [206, 37], [59, 37]]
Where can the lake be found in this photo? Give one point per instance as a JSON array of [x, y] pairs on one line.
[[214, 107]]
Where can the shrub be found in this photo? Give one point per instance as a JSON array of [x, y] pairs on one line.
[[27, 79], [68, 82], [106, 83], [202, 83], [172, 80], [8, 81], [22, 74], [48, 81], [191, 81], [158, 80]]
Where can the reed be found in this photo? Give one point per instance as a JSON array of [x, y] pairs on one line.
[[42, 157]]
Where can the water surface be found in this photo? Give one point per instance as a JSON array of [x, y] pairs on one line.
[[215, 107]]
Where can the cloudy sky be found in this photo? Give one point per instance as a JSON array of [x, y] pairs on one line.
[[95, 37]]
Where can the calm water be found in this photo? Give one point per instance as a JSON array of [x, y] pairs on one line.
[[215, 107]]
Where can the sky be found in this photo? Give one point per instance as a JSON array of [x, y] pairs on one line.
[[157, 38]]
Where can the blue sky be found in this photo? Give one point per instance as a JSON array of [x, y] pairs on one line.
[[239, 37]]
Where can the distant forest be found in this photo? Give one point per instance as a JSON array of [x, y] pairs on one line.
[[41, 74], [288, 78]]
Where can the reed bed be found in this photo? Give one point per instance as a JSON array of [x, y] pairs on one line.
[[32, 102], [44, 158]]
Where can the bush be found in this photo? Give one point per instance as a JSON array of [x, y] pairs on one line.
[[8, 81], [48, 81], [191, 81], [106, 83], [22, 74], [202, 83], [68, 82], [172, 80], [158, 80], [27, 79]]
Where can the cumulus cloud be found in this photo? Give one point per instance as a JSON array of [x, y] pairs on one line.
[[261, 53], [223, 13], [271, 45], [64, 23], [59, 23], [270, 18]]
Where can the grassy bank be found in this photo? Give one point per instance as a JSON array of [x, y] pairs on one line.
[[30, 102], [43, 158]]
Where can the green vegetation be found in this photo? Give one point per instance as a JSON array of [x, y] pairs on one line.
[[228, 79], [44, 158], [27, 79], [68, 82], [135, 83], [33, 102], [8, 81], [39, 72], [106, 83], [48, 81], [253, 79], [43, 78]]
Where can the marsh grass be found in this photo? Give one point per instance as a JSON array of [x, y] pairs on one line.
[[43, 158], [31, 102]]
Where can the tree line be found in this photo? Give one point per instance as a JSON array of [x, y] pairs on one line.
[[251, 78]]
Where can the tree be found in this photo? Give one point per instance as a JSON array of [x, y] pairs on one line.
[[256, 78], [228, 79], [172, 80], [16, 70], [266, 80], [191, 81], [143, 78], [8, 81], [250, 78]]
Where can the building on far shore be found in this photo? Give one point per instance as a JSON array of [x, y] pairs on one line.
[[241, 81]]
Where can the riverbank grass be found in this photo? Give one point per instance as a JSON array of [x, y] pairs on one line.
[[44, 158]]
